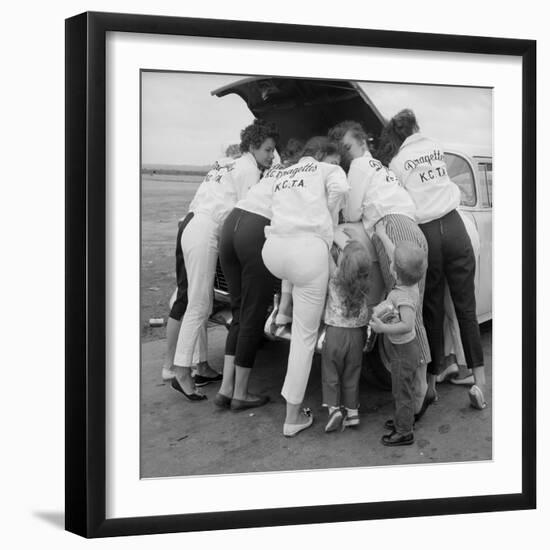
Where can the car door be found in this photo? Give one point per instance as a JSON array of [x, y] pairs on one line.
[[471, 176]]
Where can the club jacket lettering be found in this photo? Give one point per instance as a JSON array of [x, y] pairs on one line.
[[374, 193], [305, 198], [224, 185], [421, 169]]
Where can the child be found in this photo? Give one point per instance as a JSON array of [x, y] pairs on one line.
[[346, 316], [408, 264]]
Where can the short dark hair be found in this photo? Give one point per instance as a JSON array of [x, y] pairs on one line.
[[293, 151], [256, 133]]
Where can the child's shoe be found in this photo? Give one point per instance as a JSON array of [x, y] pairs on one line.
[[394, 439], [335, 419], [352, 418]]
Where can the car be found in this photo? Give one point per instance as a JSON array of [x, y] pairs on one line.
[[302, 108]]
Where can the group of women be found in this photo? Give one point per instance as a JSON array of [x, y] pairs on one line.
[[267, 222]]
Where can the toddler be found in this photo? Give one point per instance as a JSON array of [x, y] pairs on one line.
[[346, 316], [408, 264]]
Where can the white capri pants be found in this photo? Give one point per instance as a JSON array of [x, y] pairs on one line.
[[199, 244], [303, 261], [200, 353]]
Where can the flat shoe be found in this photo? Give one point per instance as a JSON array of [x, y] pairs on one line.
[[291, 430], [204, 380], [191, 396], [222, 401], [240, 405], [476, 398], [394, 439], [466, 381], [448, 374]]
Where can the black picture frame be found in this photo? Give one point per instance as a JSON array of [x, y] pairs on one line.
[[86, 284]]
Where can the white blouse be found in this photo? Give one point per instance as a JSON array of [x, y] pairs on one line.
[[374, 193], [421, 169], [305, 197], [226, 183]]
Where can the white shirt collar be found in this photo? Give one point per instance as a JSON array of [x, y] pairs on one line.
[[250, 158]]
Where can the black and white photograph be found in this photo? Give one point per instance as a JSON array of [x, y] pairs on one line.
[[271, 297], [316, 276]]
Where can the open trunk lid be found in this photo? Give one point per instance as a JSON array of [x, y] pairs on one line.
[[303, 108]]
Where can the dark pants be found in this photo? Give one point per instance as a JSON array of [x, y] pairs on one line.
[[250, 283], [180, 304], [341, 361], [404, 360], [450, 257]]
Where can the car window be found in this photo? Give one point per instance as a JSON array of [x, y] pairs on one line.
[[485, 170], [461, 173], [489, 174]]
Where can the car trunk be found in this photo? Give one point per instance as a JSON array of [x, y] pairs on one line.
[[303, 108]]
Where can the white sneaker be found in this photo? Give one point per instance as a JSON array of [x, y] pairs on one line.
[[352, 420], [334, 421]]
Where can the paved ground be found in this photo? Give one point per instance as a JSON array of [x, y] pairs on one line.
[[183, 438]]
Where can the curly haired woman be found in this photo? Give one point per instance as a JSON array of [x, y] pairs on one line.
[[197, 252]]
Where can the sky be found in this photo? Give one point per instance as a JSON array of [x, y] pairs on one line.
[[182, 123]]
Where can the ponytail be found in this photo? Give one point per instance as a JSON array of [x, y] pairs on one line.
[[396, 131]]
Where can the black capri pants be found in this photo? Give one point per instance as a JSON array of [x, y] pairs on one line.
[[450, 257], [180, 304], [250, 283]]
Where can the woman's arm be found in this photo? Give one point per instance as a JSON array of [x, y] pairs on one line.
[[357, 179], [244, 177], [336, 185]]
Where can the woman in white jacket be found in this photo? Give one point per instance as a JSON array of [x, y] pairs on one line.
[[305, 197], [419, 164], [225, 184]]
